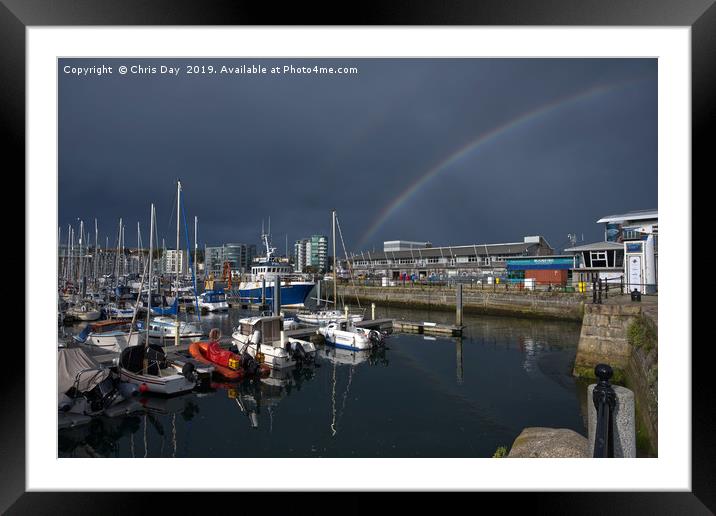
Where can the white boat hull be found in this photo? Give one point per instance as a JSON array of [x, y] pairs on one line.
[[276, 357], [167, 385], [214, 307], [114, 341], [89, 315], [346, 339]]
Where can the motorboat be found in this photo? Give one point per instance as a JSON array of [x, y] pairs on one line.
[[345, 335], [115, 311], [164, 327], [263, 338], [84, 312], [110, 335], [85, 387], [213, 300], [324, 317]]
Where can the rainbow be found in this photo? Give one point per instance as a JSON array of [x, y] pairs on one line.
[[484, 139]]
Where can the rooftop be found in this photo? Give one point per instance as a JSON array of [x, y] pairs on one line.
[[631, 215], [596, 246]]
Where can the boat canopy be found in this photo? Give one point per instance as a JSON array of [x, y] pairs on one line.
[[72, 362]]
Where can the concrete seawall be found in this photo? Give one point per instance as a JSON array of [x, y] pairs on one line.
[[549, 305]]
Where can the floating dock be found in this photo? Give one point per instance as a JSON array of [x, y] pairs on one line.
[[428, 328]]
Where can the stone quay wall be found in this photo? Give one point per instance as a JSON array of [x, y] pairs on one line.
[[497, 301]]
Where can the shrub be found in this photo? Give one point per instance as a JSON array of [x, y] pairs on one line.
[[500, 453], [641, 333]]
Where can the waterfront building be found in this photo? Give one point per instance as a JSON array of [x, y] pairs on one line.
[[169, 261], [469, 261], [603, 260], [311, 252], [532, 271], [240, 257], [404, 245], [629, 252]]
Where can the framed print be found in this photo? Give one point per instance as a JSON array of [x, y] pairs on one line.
[[425, 242]]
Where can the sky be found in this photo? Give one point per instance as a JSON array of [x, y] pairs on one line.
[[450, 151]]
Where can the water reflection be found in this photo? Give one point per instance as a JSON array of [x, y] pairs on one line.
[[420, 396]]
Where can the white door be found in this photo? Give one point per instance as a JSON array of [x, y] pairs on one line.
[[635, 281]]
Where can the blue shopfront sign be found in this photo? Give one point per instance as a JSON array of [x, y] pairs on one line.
[[635, 247], [522, 264]]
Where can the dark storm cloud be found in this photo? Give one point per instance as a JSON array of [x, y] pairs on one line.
[[295, 146]]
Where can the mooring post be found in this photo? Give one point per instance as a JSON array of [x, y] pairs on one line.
[[372, 311], [277, 296], [594, 291], [458, 304], [611, 417]]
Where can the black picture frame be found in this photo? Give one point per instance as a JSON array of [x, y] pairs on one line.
[[700, 15]]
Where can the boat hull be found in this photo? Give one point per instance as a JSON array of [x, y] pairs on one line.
[[114, 341], [165, 385], [346, 340], [275, 357], [292, 294]]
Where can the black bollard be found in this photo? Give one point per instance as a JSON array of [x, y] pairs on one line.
[[605, 400], [594, 292]]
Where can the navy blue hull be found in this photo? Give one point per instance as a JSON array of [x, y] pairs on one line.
[[290, 294]]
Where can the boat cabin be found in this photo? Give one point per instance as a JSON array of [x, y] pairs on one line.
[[270, 327], [214, 296], [270, 269]]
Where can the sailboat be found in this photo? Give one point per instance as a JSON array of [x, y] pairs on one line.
[[341, 332], [147, 365]]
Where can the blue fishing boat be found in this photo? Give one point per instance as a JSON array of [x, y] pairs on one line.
[[294, 287]]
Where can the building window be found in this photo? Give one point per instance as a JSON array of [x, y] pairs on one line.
[[599, 258]]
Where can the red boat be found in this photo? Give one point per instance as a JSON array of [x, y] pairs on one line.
[[226, 364]]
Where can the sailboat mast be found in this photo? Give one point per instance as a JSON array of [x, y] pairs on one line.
[[94, 256], [335, 269], [196, 245], [176, 268], [149, 286]]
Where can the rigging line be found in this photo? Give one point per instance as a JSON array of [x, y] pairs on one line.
[[188, 253], [345, 394]]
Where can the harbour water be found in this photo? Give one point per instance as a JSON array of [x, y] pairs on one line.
[[420, 397]]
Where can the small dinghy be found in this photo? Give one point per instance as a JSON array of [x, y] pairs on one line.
[[229, 366]]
